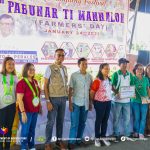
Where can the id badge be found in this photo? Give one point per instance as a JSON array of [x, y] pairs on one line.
[[35, 101], [7, 99]]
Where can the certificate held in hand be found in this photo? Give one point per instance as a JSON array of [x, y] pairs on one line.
[[127, 92]]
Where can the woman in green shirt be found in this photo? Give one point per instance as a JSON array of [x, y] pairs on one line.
[[139, 110], [147, 74]]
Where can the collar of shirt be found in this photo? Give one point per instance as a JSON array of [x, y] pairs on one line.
[[81, 73], [120, 73]]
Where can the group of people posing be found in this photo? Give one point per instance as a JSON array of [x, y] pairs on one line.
[[83, 92]]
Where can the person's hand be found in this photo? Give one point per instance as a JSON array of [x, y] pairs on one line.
[[70, 107], [90, 107], [49, 106], [134, 96], [117, 96], [24, 117]]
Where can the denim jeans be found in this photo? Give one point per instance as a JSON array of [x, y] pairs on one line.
[[139, 115], [28, 130], [78, 119], [102, 114], [58, 113], [124, 110]]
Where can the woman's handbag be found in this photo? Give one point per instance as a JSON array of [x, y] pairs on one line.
[[144, 99]]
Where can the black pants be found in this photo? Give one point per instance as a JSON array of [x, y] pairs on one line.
[[102, 114], [7, 115]]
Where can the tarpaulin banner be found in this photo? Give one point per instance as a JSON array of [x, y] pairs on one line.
[[95, 29]]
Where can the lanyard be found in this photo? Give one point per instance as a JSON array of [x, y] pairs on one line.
[[6, 89], [31, 88]]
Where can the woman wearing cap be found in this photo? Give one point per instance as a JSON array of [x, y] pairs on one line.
[[122, 78]]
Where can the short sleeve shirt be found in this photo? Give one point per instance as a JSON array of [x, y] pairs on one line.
[[102, 90], [81, 87], [141, 88], [23, 88]]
